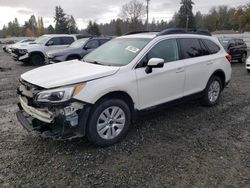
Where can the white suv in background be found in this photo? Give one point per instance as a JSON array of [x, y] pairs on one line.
[[248, 65], [101, 96], [34, 53]]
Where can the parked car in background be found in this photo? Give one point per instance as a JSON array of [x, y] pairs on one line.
[[8, 48], [127, 75], [76, 50], [248, 65], [237, 48], [35, 52]]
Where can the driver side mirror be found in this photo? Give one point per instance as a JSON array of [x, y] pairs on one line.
[[154, 63], [86, 47], [50, 43]]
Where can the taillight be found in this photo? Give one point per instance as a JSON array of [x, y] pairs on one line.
[[229, 58]]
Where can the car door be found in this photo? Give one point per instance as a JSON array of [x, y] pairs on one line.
[[232, 48], [163, 84], [241, 47], [56, 43], [198, 64], [91, 45]]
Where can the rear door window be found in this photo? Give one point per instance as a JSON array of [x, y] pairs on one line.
[[67, 40], [213, 48], [205, 50], [190, 48]]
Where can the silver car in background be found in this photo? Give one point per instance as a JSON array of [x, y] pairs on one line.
[[76, 50]]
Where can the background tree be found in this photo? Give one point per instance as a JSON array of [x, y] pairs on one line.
[[33, 25], [93, 29], [133, 12], [72, 25], [40, 27], [118, 29], [50, 29], [185, 14], [61, 20]]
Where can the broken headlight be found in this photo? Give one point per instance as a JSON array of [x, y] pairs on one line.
[[22, 51], [59, 95]]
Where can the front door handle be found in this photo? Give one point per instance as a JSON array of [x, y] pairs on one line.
[[179, 70]]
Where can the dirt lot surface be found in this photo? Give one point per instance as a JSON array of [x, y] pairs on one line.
[[184, 146]]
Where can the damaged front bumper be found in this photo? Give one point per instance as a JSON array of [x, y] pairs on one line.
[[43, 115], [60, 122]]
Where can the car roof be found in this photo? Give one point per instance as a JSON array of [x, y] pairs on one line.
[[59, 35], [152, 35], [149, 35]]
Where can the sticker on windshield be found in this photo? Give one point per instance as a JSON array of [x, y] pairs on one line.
[[132, 49]]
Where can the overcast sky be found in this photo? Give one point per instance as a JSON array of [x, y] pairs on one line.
[[100, 11]]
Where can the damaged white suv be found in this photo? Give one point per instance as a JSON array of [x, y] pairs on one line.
[[101, 96]]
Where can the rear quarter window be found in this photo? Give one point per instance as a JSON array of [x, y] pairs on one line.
[[213, 48], [67, 40]]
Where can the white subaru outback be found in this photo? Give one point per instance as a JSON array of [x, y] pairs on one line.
[[101, 96]]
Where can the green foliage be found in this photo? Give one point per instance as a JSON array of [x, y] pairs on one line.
[[93, 28], [50, 30], [65, 24], [72, 25], [61, 21], [185, 15]]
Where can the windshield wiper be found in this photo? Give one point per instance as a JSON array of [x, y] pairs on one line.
[[94, 62]]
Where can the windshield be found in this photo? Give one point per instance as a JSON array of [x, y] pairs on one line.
[[78, 43], [41, 40], [117, 52]]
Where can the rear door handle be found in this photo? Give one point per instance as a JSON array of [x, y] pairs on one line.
[[179, 70]]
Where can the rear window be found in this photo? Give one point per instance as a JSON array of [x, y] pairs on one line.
[[213, 48], [190, 48], [67, 40], [240, 42]]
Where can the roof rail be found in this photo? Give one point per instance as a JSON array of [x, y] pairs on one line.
[[138, 32], [183, 31]]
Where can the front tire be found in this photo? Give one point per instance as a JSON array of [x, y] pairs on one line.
[[212, 92], [248, 70], [109, 122], [37, 59]]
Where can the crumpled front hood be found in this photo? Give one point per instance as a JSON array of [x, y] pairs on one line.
[[67, 73]]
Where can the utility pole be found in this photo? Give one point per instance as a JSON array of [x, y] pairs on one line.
[[147, 15], [187, 22]]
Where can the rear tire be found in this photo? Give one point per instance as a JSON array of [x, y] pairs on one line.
[[212, 92], [109, 122], [248, 70], [243, 58], [37, 59]]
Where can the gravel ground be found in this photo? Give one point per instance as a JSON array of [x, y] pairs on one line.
[[184, 146]]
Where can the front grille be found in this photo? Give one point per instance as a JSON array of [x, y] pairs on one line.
[[15, 51]]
